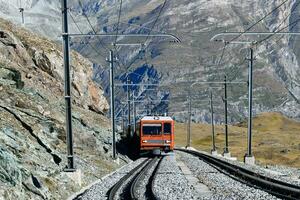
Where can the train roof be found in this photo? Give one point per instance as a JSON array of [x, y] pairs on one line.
[[163, 118]]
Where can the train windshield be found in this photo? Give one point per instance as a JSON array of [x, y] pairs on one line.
[[152, 129], [167, 128]]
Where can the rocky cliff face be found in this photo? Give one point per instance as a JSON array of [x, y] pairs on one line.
[[195, 22], [32, 125]]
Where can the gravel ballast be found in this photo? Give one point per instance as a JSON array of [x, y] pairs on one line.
[[170, 183], [142, 185], [281, 173], [99, 190], [222, 186]]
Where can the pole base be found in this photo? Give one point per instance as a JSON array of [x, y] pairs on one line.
[[75, 176], [227, 155], [116, 160], [214, 152], [69, 169], [249, 160]]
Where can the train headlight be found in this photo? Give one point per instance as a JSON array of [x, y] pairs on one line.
[[144, 141], [168, 141]]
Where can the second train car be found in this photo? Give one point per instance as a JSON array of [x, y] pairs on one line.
[[155, 134]]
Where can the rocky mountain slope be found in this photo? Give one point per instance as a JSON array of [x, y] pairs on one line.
[[32, 119], [194, 59]]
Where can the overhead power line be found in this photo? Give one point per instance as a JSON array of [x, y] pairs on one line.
[[77, 26], [90, 24], [293, 24], [119, 17], [260, 20], [238, 71], [156, 20], [151, 29], [249, 28], [290, 24]]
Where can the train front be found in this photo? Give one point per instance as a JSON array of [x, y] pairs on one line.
[[156, 134]]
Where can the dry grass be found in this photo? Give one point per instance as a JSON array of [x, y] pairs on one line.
[[276, 139]]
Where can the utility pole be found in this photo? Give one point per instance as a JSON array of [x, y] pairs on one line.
[[189, 122], [249, 158], [214, 150], [128, 104], [123, 125], [226, 152], [134, 114], [66, 50], [22, 14], [112, 100]]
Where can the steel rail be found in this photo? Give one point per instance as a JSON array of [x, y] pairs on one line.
[[136, 182], [275, 187], [113, 191], [150, 187]]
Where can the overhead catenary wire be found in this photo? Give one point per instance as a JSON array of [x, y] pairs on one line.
[[93, 47], [91, 26], [150, 31], [268, 37], [238, 71], [156, 20], [93, 29], [253, 25], [293, 24], [145, 56], [260, 20], [117, 31], [118, 23], [116, 38]]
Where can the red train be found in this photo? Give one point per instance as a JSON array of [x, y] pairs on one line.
[[155, 134]]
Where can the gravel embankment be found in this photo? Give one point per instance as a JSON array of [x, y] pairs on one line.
[[281, 173], [99, 190], [222, 186], [170, 182]]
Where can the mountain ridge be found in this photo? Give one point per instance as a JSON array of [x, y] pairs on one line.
[[195, 57]]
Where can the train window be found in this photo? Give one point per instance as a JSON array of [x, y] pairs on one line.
[[167, 128], [152, 129]]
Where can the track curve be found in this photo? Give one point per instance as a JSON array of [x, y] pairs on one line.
[[112, 193], [133, 180], [139, 178]]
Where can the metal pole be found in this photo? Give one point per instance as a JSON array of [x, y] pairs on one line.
[[134, 115], [212, 123], [112, 101], [189, 123], [250, 78], [226, 116], [66, 50], [123, 126], [22, 14], [128, 104]]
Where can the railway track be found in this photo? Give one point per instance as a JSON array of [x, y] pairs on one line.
[[130, 183], [275, 187]]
